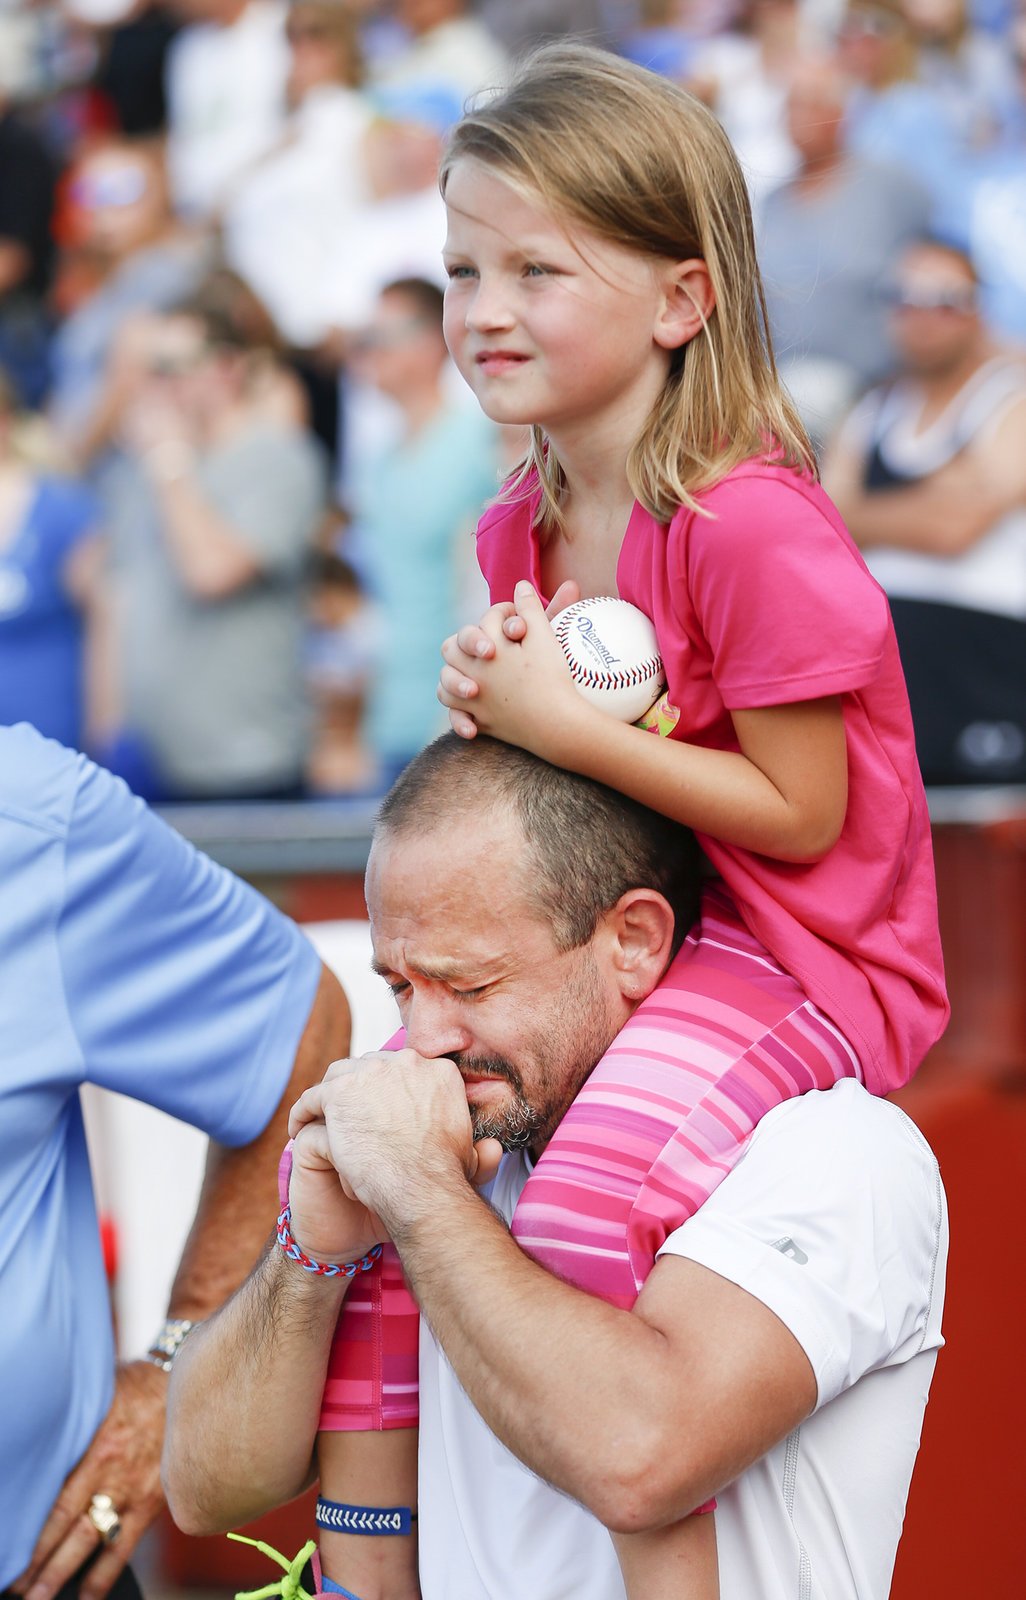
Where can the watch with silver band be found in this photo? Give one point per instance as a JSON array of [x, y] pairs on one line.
[[168, 1342]]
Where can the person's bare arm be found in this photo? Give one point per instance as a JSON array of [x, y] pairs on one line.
[[678, 1562], [246, 1392], [246, 1398], [946, 513], [93, 589], [641, 1416], [237, 1207], [212, 558]]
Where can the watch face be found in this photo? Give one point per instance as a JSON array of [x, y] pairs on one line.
[[171, 1337]]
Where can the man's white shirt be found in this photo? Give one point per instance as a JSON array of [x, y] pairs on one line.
[[835, 1219]]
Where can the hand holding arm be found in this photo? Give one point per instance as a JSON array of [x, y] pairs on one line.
[[246, 1397], [784, 793]]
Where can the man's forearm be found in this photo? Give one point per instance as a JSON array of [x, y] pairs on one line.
[[245, 1398], [570, 1385]]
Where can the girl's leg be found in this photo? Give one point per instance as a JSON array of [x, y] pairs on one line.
[[376, 1471], [675, 1563], [372, 1371], [727, 1036]]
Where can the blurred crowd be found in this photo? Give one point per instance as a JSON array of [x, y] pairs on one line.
[[238, 476]]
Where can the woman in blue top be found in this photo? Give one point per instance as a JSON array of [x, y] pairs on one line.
[[49, 565]]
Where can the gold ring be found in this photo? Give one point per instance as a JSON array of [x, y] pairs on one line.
[[103, 1514]]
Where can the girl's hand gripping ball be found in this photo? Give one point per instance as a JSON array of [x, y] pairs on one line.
[[613, 655]]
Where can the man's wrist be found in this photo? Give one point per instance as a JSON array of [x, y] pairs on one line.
[[290, 1290], [430, 1203], [293, 1251]]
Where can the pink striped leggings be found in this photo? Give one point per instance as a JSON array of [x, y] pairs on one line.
[[662, 1119]]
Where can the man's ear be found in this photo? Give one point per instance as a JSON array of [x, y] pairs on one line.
[[688, 302], [640, 933]]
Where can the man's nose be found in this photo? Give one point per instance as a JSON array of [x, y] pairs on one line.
[[434, 1026]]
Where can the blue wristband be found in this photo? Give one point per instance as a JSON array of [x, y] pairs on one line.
[[339, 1518], [329, 1586]]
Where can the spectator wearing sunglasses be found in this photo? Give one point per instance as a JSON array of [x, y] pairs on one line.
[[896, 116], [148, 262], [929, 472]]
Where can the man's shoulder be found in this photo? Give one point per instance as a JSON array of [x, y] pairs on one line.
[[828, 1169], [845, 1133], [835, 1219]]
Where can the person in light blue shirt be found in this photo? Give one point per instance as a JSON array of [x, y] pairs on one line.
[[130, 961], [416, 507]]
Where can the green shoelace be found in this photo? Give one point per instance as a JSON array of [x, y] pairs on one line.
[[289, 1587]]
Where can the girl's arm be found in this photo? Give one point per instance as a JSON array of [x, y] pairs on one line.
[[783, 794], [376, 1470]]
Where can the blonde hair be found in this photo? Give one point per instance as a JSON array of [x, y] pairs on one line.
[[643, 164]]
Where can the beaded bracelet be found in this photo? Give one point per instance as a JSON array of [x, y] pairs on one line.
[[345, 1269]]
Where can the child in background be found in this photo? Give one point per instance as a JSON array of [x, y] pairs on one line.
[[604, 290], [341, 639]]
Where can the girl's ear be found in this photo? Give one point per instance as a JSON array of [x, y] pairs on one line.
[[688, 302]]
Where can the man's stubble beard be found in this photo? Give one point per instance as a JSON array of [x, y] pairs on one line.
[[582, 1031]]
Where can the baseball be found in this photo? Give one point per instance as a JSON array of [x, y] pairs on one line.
[[613, 654]]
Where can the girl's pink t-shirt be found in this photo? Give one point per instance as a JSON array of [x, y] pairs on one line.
[[767, 602]]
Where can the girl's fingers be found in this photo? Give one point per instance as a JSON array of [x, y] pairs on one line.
[[567, 594], [515, 628], [460, 723], [472, 641], [454, 686]]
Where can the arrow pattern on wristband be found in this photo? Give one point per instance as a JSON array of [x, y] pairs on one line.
[[363, 1519]]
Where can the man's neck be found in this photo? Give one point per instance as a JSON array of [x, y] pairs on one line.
[[537, 1149]]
